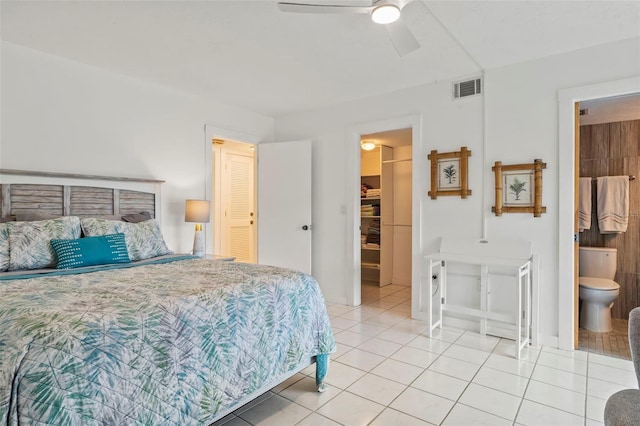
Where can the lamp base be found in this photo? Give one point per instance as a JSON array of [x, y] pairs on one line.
[[198, 244]]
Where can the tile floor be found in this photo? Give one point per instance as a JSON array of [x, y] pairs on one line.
[[387, 372], [615, 343]]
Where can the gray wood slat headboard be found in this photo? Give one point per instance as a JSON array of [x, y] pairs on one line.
[[24, 193]]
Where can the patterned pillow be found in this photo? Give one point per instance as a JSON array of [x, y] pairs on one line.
[[144, 239], [29, 246], [4, 245], [90, 251]]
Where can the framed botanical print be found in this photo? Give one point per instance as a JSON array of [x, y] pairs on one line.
[[449, 173], [519, 188]]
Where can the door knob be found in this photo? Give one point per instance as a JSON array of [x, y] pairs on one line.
[[305, 227]]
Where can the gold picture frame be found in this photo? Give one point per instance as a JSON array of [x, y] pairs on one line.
[[449, 173], [519, 188]]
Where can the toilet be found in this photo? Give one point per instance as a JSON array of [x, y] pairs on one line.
[[597, 289]]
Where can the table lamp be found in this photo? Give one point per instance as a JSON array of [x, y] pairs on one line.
[[197, 211]]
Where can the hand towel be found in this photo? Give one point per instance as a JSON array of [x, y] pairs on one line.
[[613, 204], [584, 204]]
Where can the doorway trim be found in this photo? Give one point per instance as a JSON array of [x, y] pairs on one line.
[[566, 207], [211, 132], [353, 293]]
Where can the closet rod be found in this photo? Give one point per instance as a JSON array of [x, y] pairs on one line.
[[631, 177], [395, 224], [396, 161]]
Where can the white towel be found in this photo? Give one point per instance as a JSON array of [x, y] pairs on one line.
[[613, 204], [584, 204]]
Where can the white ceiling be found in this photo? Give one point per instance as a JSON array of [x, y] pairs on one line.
[[250, 54]]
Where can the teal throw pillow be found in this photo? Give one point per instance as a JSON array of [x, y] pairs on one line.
[[89, 251]]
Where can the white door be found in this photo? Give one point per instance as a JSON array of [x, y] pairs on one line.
[[239, 210], [284, 204]]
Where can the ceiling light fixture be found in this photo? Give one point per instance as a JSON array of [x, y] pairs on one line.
[[367, 145], [385, 14]]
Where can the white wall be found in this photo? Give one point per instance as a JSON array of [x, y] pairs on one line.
[[62, 116], [521, 125]]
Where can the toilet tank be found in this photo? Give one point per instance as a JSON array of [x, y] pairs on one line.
[[598, 262]]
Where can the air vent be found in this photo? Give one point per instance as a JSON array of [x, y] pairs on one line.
[[463, 89]]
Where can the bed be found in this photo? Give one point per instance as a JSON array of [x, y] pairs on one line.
[[162, 339]]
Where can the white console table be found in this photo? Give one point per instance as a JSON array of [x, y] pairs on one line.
[[512, 255]]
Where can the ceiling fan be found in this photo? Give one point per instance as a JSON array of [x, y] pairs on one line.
[[385, 12]]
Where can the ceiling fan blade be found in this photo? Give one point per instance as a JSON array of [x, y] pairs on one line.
[[402, 38], [321, 8]]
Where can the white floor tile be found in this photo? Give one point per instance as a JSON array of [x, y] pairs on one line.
[[291, 380], [590, 422], [446, 334], [463, 415], [510, 365], [478, 341], [553, 396], [432, 345], [337, 310], [393, 417], [231, 420], [534, 414], [465, 353], [411, 326], [366, 329], [492, 401], [377, 389], [350, 338], [499, 380], [580, 355], [304, 393], [613, 375], [414, 356], [385, 319], [380, 347], [362, 313], [595, 408], [339, 323], [315, 419], [275, 411], [455, 367], [507, 348], [400, 372], [350, 409], [623, 364], [360, 359], [396, 336], [440, 384], [341, 375], [601, 389], [560, 362], [425, 406], [563, 379]]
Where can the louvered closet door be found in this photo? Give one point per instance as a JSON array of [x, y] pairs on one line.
[[240, 212]]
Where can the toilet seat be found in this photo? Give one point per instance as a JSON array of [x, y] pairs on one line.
[[601, 284]]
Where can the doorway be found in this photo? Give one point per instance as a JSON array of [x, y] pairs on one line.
[[413, 257], [234, 195], [608, 134], [567, 261]]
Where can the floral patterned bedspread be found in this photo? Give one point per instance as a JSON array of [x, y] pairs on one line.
[[161, 344]]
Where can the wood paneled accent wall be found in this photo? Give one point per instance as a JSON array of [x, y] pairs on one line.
[[613, 149]]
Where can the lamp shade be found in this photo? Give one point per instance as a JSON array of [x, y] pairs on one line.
[[197, 211]]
